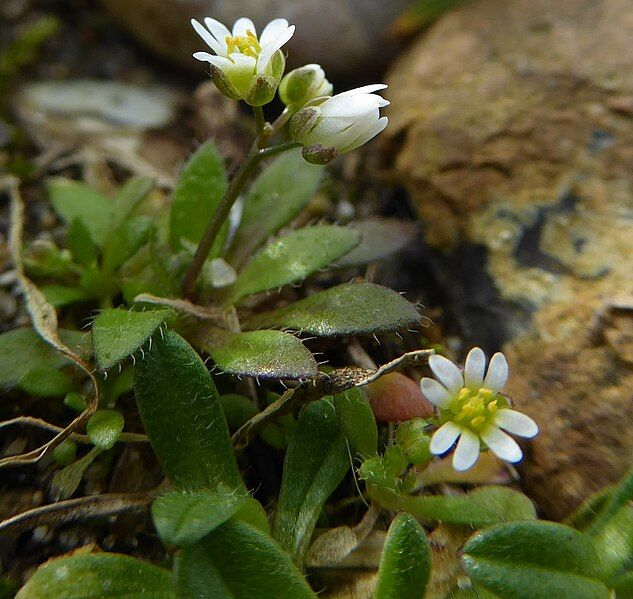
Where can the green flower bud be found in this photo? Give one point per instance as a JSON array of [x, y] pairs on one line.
[[413, 440], [302, 85]]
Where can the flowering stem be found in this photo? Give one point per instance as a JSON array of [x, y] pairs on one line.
[[253, 158], [260, 119]]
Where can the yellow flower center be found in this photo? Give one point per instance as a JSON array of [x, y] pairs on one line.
[[475, 408], [244, 44]]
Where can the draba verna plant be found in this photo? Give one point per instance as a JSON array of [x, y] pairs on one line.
[[276, 468]]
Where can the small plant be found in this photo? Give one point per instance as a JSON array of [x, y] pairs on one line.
[[172, 286]]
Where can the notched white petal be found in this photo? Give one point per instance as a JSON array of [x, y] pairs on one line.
[[444, 437], [242, 25], [474, 368], [447, 373], [467, 451], [435, 393], [497, 372], [501, 444], [516, 423]]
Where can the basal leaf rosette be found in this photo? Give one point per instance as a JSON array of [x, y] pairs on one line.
[[472, 409]]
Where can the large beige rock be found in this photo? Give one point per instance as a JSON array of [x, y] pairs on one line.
[[512, 127]]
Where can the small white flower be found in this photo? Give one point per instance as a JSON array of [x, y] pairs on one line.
[[340, 124], [472, 409], [245, 66]]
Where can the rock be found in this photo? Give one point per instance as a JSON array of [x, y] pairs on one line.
[[511, 123], [358, 26]]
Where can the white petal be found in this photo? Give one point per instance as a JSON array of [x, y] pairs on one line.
[[272, 31], [218, 61], [243, 25], [467, 451], [267, 51], [204, 33], [516, 423], [497, 372], [435, 393], [366, 89], [504, 446], [474, 368], [447, 373], [444, 437], [352, 106], [219, 30], [370, 133]]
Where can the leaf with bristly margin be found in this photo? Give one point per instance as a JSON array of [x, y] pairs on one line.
[[481, 507], [46, 382], [98, 575], [274, 199], [125, 241], [200, 188], [292, 258], [129, 196], [357, 421], [118, 333], [61, 295], [104, 428], [183, 518], [265, 354], [66, 480], [182, 415], [81, 244], [238, 561], [316, 462], [405, 563], [534, 559], [348, 309], [22, 350], [73, 200], [380, 238]]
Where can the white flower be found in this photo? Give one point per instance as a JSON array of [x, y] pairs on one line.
[[472, 409], [339, 124], [245, 66]]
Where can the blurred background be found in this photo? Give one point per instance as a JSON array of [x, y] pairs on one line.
[[510, 146]]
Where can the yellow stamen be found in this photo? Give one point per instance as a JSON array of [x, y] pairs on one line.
[[244, 44]]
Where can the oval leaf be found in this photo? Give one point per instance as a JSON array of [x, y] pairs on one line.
[[349, 309], [265, 354], [537, 559], [181, 411], [104, 428], [292, 258], [199, 190], [276, 197], [405, 563], [316, 462], [238, 561], [102, 575], [118, 333], [357, 421], [184, 518]]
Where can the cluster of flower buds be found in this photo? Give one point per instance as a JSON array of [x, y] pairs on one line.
[[251, 68]]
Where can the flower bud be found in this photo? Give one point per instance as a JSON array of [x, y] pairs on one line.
[[413, 440], [302, 85]]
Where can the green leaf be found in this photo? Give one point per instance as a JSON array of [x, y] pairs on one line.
[[125, 241], [98, 575], [534, 560], [265, 354], [61, 295], [73, 200], [357, 421], [292, 258], [66, 480], [197, 195], [118, 333], [238, 561], [81, 244], [349, 309], [46, 382], [275, 198], [622, 495], [614, 543], [380, 237], [316, 462], [185, 518], [252, 512], [181, 411], [623, 586], [133, 192], [481, 507], [21, 351], [405, 563], [104, 428]]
